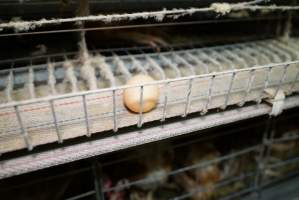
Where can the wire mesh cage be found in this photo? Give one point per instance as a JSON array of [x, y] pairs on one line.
[[58, 101], [66, 89], [235, 162]]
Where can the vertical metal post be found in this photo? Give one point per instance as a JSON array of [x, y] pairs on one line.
[[281, 81], [229, 90], [23, 130], [140, 107], [86, 116], [249, 85], [262, 157], [165, 102], [98, 185], [115, 128], [60, 140], [269, 140], [209, 97], [188, 97], [266, 83]]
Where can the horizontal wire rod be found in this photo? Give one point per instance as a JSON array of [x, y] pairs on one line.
[[137, 26], [222, 8], [62, 96], [283, 163], [38, 2]]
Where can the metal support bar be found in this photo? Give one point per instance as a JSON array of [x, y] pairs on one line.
[[188, 97], [86, 116], [248, 87], [97, 173], [23, 130], [140, 107], [83, 195], [209, 97], [269, 140], [229, 90], [60, 140], [262, 160], [266, 83], [165, 102], [282, 80], [115, 128], [284, 163]]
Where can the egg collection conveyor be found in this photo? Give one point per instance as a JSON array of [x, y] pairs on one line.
[[61, 100]]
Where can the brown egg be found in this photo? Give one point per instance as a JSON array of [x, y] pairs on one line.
[[151, 94]]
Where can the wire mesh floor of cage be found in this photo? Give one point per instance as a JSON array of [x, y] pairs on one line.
[[53, 102]]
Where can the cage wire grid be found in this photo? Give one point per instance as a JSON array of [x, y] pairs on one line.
[[225, 66], [225, 62], [262, 151], [259, 148], [259, 176]]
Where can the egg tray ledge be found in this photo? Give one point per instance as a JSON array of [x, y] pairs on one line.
[[190, 81]]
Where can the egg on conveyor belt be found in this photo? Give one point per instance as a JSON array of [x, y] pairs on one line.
[[132, 95]]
